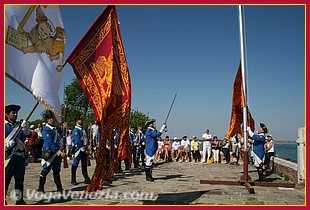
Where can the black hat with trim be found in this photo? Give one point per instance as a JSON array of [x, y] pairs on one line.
[[149, 122], [78, 117], [12, 107], [264, 127], [49, 114]]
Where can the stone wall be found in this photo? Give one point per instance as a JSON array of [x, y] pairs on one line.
[[285, 168]]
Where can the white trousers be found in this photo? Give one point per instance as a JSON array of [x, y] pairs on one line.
[[257, 161], [149, 160], [216, 154], [206, 149]]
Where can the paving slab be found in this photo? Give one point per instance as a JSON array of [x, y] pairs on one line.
[[175, 184]]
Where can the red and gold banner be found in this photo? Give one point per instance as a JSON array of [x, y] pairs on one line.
[[238, 103], [99, 63]]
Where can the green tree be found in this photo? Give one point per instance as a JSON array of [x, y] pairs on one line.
[[36, 122], [76, 103], [137, 119]]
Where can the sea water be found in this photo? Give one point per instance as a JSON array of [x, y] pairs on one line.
[[286, 150]]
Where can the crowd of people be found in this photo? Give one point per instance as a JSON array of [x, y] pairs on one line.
[[209, 149], [51, 145]]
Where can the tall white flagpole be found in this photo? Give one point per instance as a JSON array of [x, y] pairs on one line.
[[241, 28], [245, 177]]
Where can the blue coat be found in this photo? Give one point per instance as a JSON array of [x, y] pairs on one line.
[[258, 145], [17, 165], [51, 143], [79, 135], [21, 136], [151, 141]]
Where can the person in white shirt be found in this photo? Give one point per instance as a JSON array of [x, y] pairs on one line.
[[176, 149], [69, 145], [185, 146], [269, 150], [206, 148], [95, 131]]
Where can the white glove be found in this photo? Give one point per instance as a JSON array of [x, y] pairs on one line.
[[10, 144], [249, 131], [25, 126], [163, 128]]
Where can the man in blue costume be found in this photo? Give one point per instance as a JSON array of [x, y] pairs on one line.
[[80, 143], [151, 146], [52, 152], [15, 151], [258, 141]]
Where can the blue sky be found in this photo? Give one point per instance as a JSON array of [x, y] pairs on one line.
[[194, 51]]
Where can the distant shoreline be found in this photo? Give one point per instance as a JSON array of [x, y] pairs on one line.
[[285, 142]]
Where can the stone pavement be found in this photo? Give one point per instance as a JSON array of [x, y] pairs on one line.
[[176, 184]]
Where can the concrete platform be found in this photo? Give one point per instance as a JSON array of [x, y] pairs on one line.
[[176, 184]]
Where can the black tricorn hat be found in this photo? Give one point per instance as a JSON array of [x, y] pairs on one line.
[[149, 122], [78, 117], [12, 107], [264, 127], [48, 115]]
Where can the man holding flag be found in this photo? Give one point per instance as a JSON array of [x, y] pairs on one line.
[[35, 41], [15, 151], [258, 152]]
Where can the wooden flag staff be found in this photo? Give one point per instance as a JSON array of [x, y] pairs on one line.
[[27, 118]]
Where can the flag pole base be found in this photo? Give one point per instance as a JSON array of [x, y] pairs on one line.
[[245, 180]]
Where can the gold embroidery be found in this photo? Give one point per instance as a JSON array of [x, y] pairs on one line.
[[45, 38]]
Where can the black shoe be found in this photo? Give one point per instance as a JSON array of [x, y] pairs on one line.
[[148, 175], [41, 190], [73, 182], [87, 180], [42, 183], [60, 190], [119, 171], [19, 186], [261, 180], [20, 202], [57, 181], [73, 176], [149, 178]]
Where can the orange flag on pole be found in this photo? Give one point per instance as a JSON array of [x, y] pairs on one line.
[[238, 103], [99, 63]]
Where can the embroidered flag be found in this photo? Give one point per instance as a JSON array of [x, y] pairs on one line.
[[34, 44], [100, 65], [238, 103]]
